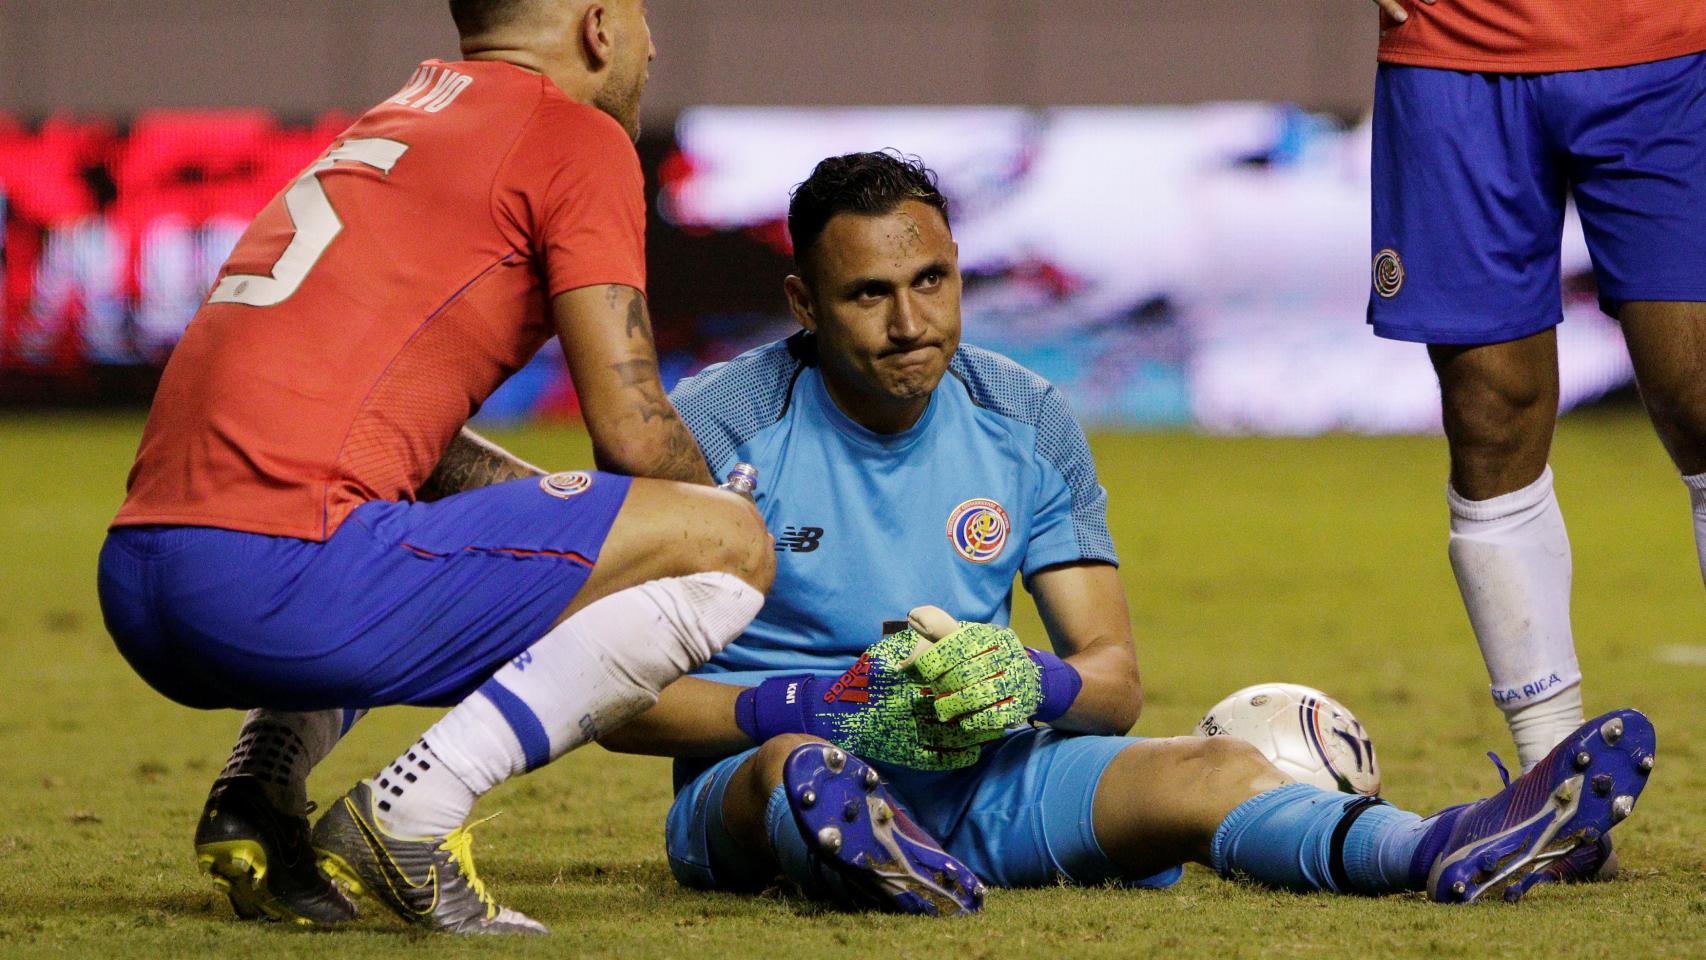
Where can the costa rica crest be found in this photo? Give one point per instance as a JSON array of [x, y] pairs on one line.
[[1388, 273], [567, 484], [978, 529]]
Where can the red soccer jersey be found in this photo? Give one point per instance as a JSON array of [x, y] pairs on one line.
[[377, 301], [1542, 36]]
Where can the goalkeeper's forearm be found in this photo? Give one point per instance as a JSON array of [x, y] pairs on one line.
[[692, 718], [473, 461], [1111, 698], [1083, 607]]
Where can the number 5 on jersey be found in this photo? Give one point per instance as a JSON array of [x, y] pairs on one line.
[[316, 223]]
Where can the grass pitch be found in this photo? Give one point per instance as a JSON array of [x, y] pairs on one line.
[[1318, 561]]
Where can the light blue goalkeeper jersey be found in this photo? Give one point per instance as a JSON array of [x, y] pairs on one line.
[[994, 480]]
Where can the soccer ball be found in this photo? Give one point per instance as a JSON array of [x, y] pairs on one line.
[[1308, 735]]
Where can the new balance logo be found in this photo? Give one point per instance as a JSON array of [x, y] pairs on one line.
[[799, 539]]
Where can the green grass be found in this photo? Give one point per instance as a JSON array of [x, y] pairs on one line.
[[1320, 561]]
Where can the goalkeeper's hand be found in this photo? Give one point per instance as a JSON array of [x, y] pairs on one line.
[[874, 711], [983, 680]]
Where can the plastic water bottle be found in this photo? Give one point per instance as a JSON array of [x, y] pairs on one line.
[[743, 479]]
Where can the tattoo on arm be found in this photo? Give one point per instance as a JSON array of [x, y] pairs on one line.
[[640, 377], [638, 324], [635, 430], [681, 459], [473, 461]]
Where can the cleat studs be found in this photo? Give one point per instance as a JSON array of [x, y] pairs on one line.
[[1459, 888], [834, 759], [808, 797], [1646, 764], [850, 812], [872, 779], [829, 840], [1567, 790], [1583, 759], [1621, 808], [1611, 730], [1602, 784]]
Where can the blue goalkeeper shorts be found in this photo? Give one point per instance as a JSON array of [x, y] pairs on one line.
[[1020, 817], [414, 603], [1470, 176]]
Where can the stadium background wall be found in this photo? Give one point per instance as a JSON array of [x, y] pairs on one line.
[[1164, 208], [300, 57]]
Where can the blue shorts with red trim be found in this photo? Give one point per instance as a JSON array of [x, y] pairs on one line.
[[415, 603], [1470, 176]]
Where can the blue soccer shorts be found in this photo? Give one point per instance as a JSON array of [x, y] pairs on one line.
[[1471, 171], [1020, 817], [414, 603]]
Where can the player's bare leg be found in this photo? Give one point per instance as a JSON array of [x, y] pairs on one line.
[[749, 791], [1508, 547], [669, 529], [1160, 801], [1500, 403], [687, 569], [1667, 342]]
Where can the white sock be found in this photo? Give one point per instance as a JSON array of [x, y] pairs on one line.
[[593, 672], [279, 748], [1697, 494], [1537, 727], [1511, 555]]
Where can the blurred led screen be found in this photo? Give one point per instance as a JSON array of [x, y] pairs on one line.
[[1198, 266]]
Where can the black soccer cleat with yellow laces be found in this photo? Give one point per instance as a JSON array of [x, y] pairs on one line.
[[260, 857], [428, 881]]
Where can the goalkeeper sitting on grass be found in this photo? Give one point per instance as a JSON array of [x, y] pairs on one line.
[[898, 469]]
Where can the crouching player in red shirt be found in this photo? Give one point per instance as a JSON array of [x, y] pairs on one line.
[[310, 531], [1487, 115]]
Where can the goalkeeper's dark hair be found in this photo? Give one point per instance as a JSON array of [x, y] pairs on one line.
[[474, 17], [871, 184]]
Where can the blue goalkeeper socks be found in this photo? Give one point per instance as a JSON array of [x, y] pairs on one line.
[[1300, 837], [1380, 849]]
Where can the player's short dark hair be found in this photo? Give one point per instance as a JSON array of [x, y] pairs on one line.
[[474, 17], [865, 183]]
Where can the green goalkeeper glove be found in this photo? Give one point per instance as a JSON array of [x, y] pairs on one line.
[[874, 711], [983, 680]]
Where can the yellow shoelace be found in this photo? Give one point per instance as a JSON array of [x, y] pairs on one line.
[[459, 843]]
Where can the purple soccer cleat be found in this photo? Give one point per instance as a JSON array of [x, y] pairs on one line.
[[856, 829], [1549, 825], [1588, 863]]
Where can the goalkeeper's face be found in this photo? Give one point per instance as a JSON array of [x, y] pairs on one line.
[[883, 296]]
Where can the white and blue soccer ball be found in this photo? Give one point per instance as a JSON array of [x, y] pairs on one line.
[[1308, 735]]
